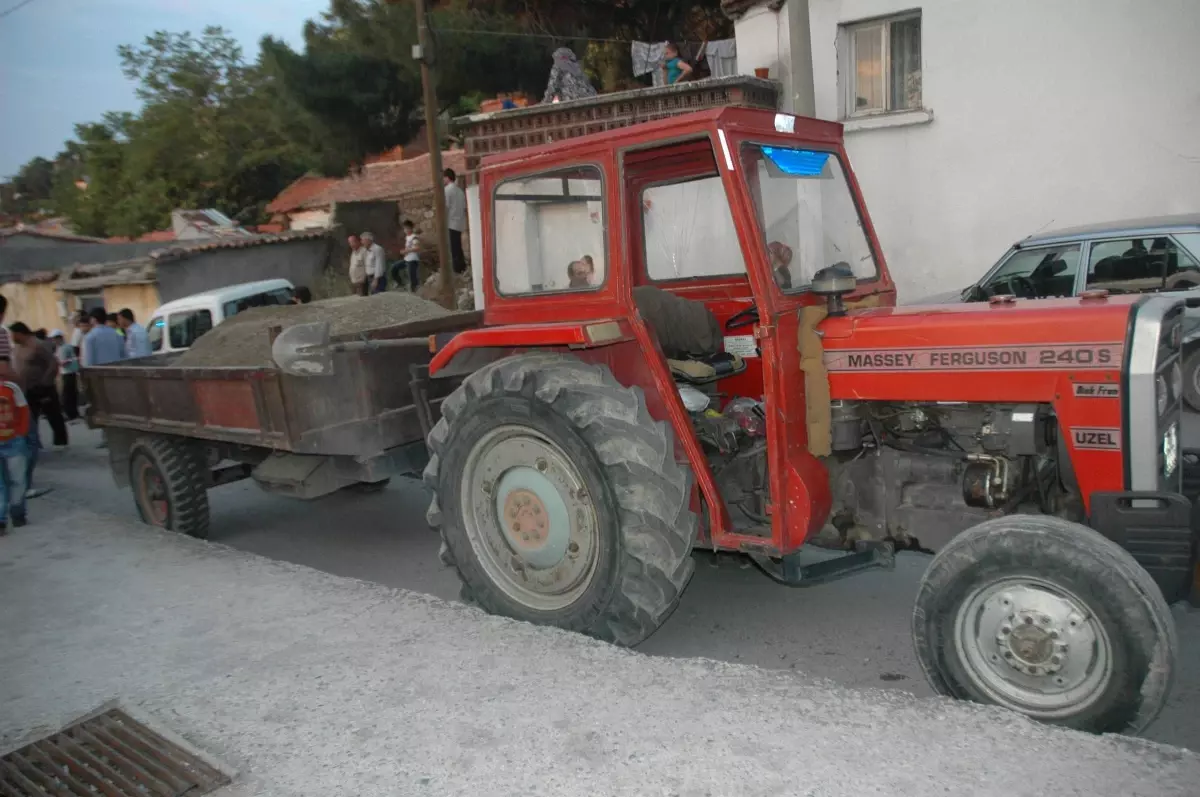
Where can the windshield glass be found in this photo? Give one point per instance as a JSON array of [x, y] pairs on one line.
[[806, 213]]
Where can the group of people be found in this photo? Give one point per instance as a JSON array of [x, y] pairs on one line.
[[39, 377], [568, 82], [369, 271]]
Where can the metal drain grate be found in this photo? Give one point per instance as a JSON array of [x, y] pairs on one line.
[[109, 755]]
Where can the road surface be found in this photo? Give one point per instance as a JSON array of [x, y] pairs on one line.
[[854, 632], [309, 684]]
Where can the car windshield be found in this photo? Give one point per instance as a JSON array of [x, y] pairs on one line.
[[807, 214]]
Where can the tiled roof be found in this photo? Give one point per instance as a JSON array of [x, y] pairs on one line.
[[387, 180], [295, 195], [65, 237], [735, 8], [185, 250]]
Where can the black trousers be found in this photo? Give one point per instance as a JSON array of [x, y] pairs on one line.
[[70, 396], [457, 256], [43, 401]]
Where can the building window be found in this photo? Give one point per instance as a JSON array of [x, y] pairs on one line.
[[883, 69]]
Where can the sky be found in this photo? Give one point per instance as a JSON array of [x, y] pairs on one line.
[[59, 65]]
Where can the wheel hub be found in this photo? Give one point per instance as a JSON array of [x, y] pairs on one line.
[[1030, 642], [526, 517], [1033, 647], [529, 517]]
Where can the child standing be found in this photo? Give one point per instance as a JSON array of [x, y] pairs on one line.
[[412, 254], [14, 454]]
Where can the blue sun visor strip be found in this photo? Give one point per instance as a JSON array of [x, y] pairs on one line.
[[797, 162]]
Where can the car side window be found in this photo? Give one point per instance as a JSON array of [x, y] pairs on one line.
[[550, 232], [1038, 273], [184, 328], [1141, 264]]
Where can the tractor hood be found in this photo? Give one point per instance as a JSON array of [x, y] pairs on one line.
[[980, 351]]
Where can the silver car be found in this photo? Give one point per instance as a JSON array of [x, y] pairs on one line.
[[1133, 256]]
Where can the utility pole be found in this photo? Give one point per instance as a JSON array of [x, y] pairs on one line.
[[423, 53]]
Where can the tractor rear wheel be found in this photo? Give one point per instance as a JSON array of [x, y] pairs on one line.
[[559, 499], [1050, 619]]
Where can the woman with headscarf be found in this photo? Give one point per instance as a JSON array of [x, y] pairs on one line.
[[567, 81]]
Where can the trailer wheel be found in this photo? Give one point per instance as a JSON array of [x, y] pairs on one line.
[[1048, 618], [1191, 378], [170, 485], [559, 499]]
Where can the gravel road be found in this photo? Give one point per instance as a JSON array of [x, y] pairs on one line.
[[853, 632], [310, 684]]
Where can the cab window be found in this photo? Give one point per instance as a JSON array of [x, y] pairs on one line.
[[1038, 273], [184, 328], [688, 231], [155, 333], [1143, 263], [550, 232]]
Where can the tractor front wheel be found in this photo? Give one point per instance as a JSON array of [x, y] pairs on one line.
[[1047, 618], [559, 498]]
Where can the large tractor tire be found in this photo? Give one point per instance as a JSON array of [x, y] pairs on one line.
[[1048, 618], [170, 485], [559, 499]]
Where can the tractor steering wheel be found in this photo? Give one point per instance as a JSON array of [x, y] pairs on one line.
[[743, 318]]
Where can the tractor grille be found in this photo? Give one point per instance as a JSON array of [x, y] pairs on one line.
[[110, 755]]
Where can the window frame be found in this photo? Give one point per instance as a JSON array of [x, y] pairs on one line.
[[548, 174], [749, 144], [849, 87], [1132, 235], [733, 275], [1013, 251], [186, 313]]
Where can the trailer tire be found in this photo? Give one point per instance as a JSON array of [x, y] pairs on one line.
[[170, 485], [1050, 619], [547, 433]]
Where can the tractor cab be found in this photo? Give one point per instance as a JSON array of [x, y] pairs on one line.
[[690, 339], [734, 212]]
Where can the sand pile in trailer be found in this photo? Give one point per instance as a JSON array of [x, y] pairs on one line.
[[244, 340]]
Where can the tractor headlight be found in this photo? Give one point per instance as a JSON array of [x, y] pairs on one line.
[[1170, 449], [1161, 394], [1176, 382]]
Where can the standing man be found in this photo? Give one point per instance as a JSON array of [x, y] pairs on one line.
[[456, 219], [358, 267], [376, 262], [68, 370], [38, 370], [137, 342], [102, 345]]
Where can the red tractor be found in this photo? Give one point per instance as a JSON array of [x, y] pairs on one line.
[[690, 340]]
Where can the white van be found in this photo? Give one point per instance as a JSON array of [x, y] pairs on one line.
[[176, 325]]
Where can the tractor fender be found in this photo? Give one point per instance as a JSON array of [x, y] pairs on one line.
[[502, 339]]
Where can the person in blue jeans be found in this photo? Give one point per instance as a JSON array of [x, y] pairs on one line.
[[13, 463]]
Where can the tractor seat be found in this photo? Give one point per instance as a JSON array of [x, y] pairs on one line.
[[710, 368]]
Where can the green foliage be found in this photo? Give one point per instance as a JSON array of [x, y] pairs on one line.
[[218, 131]]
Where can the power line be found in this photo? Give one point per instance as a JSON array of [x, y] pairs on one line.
[[17, 7]]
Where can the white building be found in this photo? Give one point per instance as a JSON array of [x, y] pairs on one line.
[[973, 123]]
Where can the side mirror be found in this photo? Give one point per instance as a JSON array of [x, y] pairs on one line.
[[834, 282], [303, 350]]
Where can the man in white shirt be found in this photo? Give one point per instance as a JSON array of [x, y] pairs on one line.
[[456, 219], [358, 267], [376, 263]]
